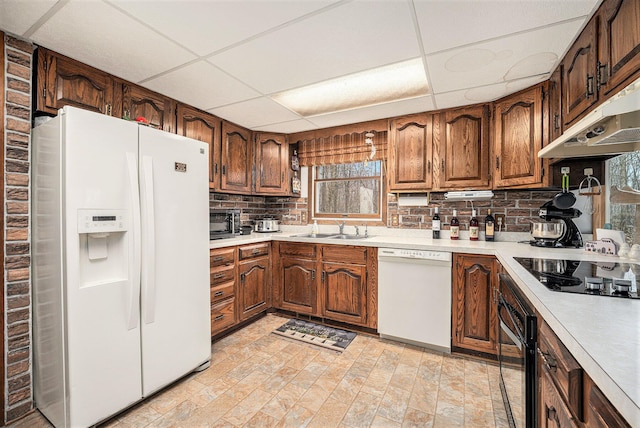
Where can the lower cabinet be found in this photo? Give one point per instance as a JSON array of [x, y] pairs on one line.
[[222, 274], [254, 274], [336, 282], [474, 316]]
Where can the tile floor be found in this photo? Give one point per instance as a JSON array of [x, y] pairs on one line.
[[258, 379]]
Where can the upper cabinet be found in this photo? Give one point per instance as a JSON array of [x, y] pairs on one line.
[[619, 43], [157, 109], [271, 164], [410, 153], [461, 148], [555, 104], [579, 78], [62, 81], [205, 127], [518, 126], [235, 159]]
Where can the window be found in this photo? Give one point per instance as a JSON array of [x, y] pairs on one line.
[[623, 173], [350, 190]]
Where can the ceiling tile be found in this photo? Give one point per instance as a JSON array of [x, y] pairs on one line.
[[16, 18], [256, 112], [448, 24], [517, 56], [352, 37], [103, 37], [382, 111], [485, 93], [202, 85], [300, 125], [207, 26]]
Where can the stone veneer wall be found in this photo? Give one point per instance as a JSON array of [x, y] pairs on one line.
[[18, 398]]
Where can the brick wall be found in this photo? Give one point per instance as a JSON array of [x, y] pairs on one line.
[[18, 393]]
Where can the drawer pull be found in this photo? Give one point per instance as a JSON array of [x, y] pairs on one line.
[[218, 276], [548, 360], [218, 259], [255, 251], [219, 317], [218, 293]]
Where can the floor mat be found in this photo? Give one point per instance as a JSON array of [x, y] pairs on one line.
[[316, 334]]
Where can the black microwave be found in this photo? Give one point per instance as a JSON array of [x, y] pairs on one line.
[[224, 223]]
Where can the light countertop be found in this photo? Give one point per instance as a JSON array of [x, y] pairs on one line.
[[602, 333]]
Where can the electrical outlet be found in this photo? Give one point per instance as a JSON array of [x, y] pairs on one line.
[[394, 220], [303, 217], [500, 222]]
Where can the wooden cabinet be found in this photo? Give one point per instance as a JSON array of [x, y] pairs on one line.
[[254, 273], [271, 164], [62, 81], [619, 44], [461, 148], [410, 151], [474, 316], [235, 159], [157, 109], [298, 284], [204, 127], [579, 77], [555, 104], [600, 413], [552, 410], [517, 137], [223, 278]]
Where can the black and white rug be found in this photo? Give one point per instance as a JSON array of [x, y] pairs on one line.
[[316, 334]]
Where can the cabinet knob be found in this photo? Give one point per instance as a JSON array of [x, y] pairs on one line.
[[589, 86]]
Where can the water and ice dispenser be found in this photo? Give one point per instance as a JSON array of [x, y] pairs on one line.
[[103, 245]]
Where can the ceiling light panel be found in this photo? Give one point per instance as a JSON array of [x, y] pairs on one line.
[[351, 37], [201, 85], [450, 24], [16, 18], [207, 26], [103, 37], [381, 85], [517, 56]]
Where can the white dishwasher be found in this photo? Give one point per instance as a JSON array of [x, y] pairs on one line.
[[414, 297]]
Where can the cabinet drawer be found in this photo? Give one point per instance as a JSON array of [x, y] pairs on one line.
[[344, 254], [562, 368], [220, 274], [552, 409], [221, 291], [301, 250], [250, 251], [222, 256], [223, 315]]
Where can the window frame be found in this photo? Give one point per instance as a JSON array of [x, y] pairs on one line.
[[367, 218]]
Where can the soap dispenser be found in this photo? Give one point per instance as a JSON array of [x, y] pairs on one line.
[[314, 228]]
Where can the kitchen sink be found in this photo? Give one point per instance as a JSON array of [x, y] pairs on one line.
[[344, 236], [317, 235]]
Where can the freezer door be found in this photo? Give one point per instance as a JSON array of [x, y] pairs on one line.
[[176, 330], [101, 269]]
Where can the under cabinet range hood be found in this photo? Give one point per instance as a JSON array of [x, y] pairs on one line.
[[612, 128]]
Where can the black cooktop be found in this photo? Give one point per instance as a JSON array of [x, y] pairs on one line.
[[611, 279]]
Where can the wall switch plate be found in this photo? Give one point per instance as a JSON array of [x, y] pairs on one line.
[[500, 222], [303, 217]]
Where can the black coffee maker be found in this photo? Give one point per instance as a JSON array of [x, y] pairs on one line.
[[571, 238]]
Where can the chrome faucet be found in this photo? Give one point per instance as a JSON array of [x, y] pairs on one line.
[[357, 230], [341, 226]]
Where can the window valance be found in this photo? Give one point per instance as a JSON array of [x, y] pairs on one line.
[[346, 148]]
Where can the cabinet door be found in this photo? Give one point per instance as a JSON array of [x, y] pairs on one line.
[[552, 410], [410, 153], [272, 164], [578, 80], [298, 289], [600, 411], [555, 104], [62, 81], [253, 287], [461, 148], [474, 314], [518, 125], [236, 161], [619, 43], [157, 109], [344, 292], [204, 127]]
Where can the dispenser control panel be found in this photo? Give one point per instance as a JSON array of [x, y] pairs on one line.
[[102, 221]]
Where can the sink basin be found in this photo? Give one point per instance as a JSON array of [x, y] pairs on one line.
[[317, 235], [348, 236]]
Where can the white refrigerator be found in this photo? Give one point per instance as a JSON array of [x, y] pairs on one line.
[[120, 252]]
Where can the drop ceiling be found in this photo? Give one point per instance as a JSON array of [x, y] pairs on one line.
[[232, 58]]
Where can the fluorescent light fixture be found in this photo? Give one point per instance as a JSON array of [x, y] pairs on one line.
[[469, 195], [393, 82]]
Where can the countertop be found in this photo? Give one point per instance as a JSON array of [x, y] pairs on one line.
[[602, 333]]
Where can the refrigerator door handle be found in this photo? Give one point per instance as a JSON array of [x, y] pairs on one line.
[[148, 272], [134, 257]]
